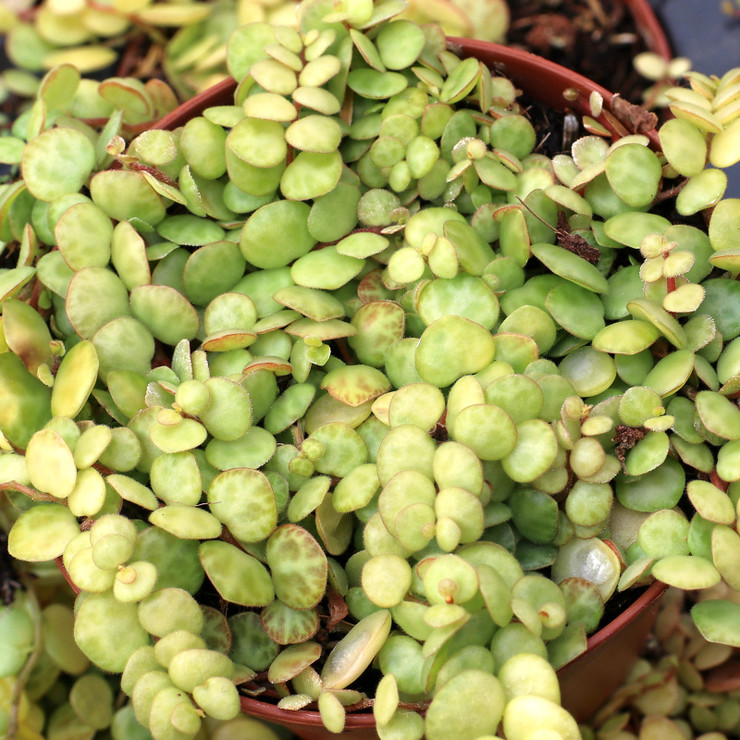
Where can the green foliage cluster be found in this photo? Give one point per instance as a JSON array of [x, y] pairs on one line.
[[47, 684], [181, 42], [342, 383], [682, 688]]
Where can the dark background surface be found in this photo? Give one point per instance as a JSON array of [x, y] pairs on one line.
[[699, 30]]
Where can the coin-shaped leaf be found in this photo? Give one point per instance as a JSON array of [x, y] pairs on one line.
[[591, 559], [293, 660], [237, 576], [588, 370], [186, 522], [258, 142], [244, 501], [299, 567], [95, 296], [42, 533], [530, 713], [74, 380], [576, 309], [84, 235], [455, 701], [355, 384], [717, 620], [356, 489], [311, 175], [166, 313], [659, 489], [126, 194], [723, 152], [314, 133], [50, 464], [718, 414], [686, 572], [386, 579], [450, 347], [622, 167], [56, 162], [647, 454], [474, 426], [464, 295], [107, 631], [711, 502], [664, 533], [276, 234], [249, 640], [212, 270], [380, 325]]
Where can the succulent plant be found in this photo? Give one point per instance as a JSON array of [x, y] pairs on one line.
[[49, 689], [182, 42], [346, 389], [487, 21], [40, 660], [662, 72], [682, 687]]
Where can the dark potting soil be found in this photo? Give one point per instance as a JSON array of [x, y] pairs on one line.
[[597, 38]]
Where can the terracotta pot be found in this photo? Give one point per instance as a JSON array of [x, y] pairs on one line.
[[591, 678], [649, 27], [585, 683]]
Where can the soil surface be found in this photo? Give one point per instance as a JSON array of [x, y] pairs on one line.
[[597, 38]]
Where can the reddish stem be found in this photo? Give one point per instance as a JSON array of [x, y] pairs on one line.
[[154, 172], [670, 288], [723, 485], [32, 493], [344, 351]]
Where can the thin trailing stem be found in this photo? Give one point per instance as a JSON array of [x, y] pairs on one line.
[[32, 493]]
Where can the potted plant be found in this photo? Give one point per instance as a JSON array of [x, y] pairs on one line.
[[404, 429]]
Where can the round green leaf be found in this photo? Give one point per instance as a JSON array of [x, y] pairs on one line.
[[107, 631], [276, 234], [244, 501], [299, 566], [718, 620], [236, 575], [41, 533], [450, 347], [684, 146], [687, 572], [56, 162], [311, 175], [459, 697]]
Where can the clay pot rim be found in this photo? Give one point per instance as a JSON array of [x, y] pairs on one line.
[[529, 71], [308, 717], [650, 28]]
